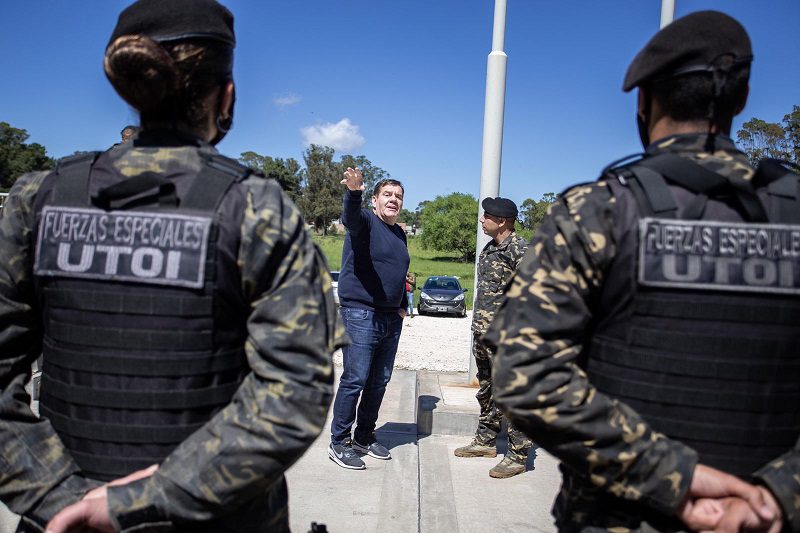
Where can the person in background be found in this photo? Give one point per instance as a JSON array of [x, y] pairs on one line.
[[411, 286], [185, 317], [128, 132], [496, 264], [373, 302]]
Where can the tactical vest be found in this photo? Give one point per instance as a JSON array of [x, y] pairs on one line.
[[699, 327], [143, 318]]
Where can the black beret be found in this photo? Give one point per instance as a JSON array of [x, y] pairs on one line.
[[690, 44], [175, 20], [500, 207]]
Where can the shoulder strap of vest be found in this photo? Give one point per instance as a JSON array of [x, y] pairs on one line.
[[647, 186], [72, 186], [783, 189], [216, 176], [704, 182]]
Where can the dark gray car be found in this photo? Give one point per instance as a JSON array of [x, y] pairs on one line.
[[442, 295]]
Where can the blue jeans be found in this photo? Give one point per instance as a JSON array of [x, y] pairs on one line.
[[410, 296], [368, 363]]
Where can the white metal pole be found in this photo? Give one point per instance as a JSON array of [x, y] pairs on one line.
[[491, 154], [667, 12]]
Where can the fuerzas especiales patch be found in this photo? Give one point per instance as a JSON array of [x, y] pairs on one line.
[[723, 256], [145, 247]]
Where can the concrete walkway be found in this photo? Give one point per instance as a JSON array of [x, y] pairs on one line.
[[424, 487]]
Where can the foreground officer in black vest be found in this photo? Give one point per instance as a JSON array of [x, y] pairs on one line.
[[653, 332], [185, 316]]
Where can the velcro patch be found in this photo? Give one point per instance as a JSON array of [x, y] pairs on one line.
[[145, 247], [722, 256]]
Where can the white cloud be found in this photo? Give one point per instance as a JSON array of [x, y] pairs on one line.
[[342, 136], [286, 100]]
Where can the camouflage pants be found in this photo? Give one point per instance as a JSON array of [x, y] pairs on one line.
[[490, 418]]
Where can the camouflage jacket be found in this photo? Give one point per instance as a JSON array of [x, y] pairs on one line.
[[496, 266], [618, 473], [243, 451]]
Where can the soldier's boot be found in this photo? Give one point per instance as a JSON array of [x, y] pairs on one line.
[[475, 449], [506, 468]]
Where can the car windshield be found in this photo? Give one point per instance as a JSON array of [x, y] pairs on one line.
[[442, 283]]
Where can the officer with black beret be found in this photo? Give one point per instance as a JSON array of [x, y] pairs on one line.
[[496, 264], [185, 316], [650, 342]]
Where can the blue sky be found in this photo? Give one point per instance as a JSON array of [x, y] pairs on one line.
[[400, 81]]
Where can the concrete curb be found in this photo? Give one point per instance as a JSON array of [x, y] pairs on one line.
[[435, 416]]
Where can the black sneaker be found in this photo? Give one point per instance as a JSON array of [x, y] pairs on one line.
[[344, 456], [374, 449]]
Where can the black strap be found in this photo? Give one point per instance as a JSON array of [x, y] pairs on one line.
[[115, 196], [130, 303], [783, 189], [141, 400], [702, 181], [702, 366], [119, 433], [196, 365], [136, 339], [72, 186], [656, 191], [696, 342], [108, 468], [216, 176], [729, 310], [607, 380]]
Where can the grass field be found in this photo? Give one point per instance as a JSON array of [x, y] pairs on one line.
[[423, 262]]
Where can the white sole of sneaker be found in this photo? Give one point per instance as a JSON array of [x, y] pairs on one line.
[[366, 451], [332, 456]]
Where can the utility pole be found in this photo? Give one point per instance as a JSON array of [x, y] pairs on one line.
[[667, 12], [494, 108]]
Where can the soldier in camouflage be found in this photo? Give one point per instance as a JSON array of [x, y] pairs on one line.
[[590, 352], [263, 292], [496, 264]]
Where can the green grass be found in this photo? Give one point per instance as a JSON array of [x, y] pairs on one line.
[[423, 262]]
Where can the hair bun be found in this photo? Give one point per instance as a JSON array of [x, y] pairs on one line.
[[141, 71]]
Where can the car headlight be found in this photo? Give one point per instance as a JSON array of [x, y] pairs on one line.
[[424, 296], [459, 297]]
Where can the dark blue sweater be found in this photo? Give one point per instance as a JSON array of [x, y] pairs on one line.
[[374, 260]]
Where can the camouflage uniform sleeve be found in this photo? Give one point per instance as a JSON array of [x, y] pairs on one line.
[[782, 476], [538, 333], [37, 475], [280, 407]]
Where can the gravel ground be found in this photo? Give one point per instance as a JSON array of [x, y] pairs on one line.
[[438, 343]]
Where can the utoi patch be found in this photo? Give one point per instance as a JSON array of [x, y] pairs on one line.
[[145, 247], [724, 256]]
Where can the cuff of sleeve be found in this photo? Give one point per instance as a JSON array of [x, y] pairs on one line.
[[672, 475], [785, 486], [69, 491], [353, 196], [136, 506]]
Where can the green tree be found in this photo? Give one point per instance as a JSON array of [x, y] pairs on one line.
[[760, 139], [372, 174], [17, 157], [532, 213], [407, 217], [450, 223], [287, 172], [321, 199]]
